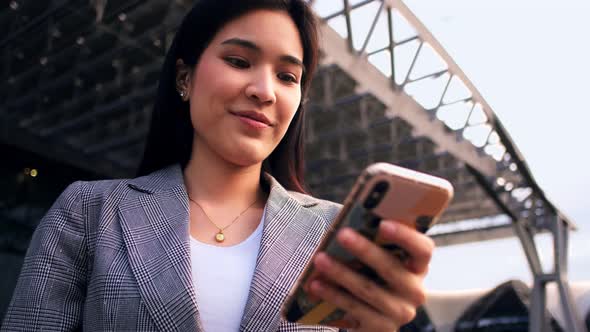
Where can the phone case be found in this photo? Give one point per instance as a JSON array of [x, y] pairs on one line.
[[407, 196]]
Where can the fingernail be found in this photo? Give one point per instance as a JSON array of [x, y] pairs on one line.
[[317, 285], [389, 227], [347, 236], [322, 260]]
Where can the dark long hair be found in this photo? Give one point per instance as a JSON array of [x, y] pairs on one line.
[[171, 133]]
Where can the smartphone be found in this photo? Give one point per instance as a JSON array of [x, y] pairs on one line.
[[382, 191]]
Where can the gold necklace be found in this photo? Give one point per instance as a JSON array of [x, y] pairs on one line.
[[220, 237]]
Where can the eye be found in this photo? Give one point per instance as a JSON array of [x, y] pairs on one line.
[[237, 62], [286, 77]]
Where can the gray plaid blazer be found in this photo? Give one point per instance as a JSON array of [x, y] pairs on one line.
[[114, 255]]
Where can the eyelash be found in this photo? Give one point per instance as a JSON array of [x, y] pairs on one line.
[[290, 78], [237, 62], [243, 64]]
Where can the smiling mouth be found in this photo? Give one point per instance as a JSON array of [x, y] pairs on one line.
[[257, 119]]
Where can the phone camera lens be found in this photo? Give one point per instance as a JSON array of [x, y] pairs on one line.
[[381, 186], [423, 223], [376, 195]]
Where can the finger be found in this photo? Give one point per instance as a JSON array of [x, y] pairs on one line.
[[408, 284], [367, 318], [349, 322], [306, 285], [417, 245], [380, 299]]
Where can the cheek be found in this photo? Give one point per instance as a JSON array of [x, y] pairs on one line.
[[211, 90], [289, 107], [205, 80]]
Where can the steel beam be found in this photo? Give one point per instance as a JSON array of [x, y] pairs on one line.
[[558, 274], [372, 29], [123, 42], [526, 230], [400, 104], [102, 110], [473, 235]]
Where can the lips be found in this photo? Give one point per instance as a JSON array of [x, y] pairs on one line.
[[253, 115]]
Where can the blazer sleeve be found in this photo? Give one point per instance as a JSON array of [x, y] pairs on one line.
[[51, 288]]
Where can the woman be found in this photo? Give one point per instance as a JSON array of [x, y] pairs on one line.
[[217, 229]]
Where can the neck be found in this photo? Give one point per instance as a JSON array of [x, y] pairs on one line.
[[212, 180]]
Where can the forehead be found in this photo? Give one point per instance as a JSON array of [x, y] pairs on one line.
[[272, 30]]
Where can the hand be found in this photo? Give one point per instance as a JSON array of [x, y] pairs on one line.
[[370, 306]]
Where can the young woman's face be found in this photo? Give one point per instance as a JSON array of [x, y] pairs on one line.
[[245, 89]]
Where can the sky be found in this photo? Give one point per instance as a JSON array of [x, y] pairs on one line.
[[529, 61]]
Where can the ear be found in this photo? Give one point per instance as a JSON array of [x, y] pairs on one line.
[[183, 77]]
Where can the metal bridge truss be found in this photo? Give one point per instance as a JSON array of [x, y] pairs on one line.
[[78, 79]]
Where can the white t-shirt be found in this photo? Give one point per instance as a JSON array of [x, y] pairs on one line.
[[222, 277]]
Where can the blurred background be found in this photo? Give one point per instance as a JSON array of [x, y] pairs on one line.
[[490, 95]]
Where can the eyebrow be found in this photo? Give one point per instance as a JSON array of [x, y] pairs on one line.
[[252, 46]]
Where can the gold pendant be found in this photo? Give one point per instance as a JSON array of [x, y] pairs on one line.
[[219, 237]]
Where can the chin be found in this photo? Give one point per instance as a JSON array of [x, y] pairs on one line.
[[247, 157], [245, 151]]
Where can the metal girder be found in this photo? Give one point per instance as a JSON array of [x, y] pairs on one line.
[[89, 94], [558, 274], [399, 103], [507, 163], [527, 174], [101, 110], [526, 230], [473, 235], [491, 141], [469, 210], [124, 41], [98, 28], [351, 131]]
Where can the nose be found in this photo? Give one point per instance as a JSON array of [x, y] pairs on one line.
[[261, 87]]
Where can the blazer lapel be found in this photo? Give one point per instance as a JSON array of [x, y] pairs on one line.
[[290, 236], [154, 219]]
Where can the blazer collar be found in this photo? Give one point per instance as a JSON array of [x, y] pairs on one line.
[[171, 177], [162, 180], [155, 224]]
